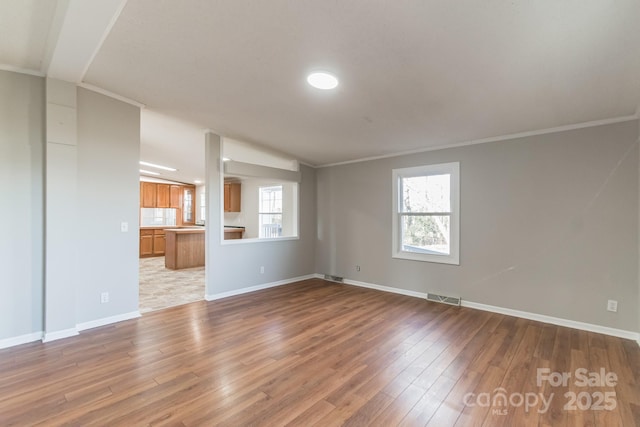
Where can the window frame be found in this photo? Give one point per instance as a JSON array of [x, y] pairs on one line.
[[453, 169]]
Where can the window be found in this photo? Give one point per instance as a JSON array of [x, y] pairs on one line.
[[426, 217], [270, 212], [187, 206], [203, 205]]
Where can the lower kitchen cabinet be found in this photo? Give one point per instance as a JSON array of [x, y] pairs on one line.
[[158, 242], [152, 242], [146, 243]]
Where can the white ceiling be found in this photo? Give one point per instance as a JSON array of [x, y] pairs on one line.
[[413, 74]]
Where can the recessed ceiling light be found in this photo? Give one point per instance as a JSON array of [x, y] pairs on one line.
[[148, 172], [152, 165], [197, 181], [225, 159], [322, 80]]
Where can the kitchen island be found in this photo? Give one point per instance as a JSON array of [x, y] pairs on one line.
[[184, 248]]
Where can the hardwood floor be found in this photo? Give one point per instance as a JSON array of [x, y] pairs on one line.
[[318, 353]]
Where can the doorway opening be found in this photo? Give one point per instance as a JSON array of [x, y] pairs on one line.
[[171, 256]]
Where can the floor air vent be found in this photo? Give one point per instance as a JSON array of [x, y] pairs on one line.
[[444, 299], [334, 278]]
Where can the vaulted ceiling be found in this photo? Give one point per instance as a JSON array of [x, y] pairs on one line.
[[413, 74]]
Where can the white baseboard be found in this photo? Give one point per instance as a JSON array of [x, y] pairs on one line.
[[590, 327], [21, 339], [58, 335], [107, 320], [621, 333], [213, 297], [386, 289]]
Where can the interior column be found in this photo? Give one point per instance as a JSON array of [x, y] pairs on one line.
[[60, 210]]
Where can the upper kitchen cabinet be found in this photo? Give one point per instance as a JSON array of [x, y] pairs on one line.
[[175, 196], [148, 192], [232, 197], [162, 195], [154, 195]]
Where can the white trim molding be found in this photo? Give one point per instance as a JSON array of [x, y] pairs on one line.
[[491, 139], [213, 297], [13, 69], [111, 94], [58, 335], [107, 320], [21, 339], [620, 333]]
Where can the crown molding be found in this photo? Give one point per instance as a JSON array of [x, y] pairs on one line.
[[556, 129], [111, 94], [7, 67]]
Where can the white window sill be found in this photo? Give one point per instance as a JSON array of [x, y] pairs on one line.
[[439, 259]]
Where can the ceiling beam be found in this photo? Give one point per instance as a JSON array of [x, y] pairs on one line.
[[77, 32]]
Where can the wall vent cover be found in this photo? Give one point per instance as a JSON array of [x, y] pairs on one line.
[[444, 299], [331, 278]]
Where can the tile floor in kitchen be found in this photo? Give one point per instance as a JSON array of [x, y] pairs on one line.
[[161, 288]]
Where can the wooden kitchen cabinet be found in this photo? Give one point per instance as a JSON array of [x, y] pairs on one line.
[[232, 193], [158, 242], [152, 242], [162, 195], [175, 196], [146, 243], [148, 194]]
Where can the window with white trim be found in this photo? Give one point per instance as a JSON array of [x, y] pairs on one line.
[[426, 213], [270, 212], [203, 205]]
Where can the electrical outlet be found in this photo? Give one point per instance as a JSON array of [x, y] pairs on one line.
[[612, 305], [357, 268], [124, 227], [104, 297], [262, 269]]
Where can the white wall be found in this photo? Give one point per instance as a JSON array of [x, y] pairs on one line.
[[549, 225], [108, 194], [21, 191]]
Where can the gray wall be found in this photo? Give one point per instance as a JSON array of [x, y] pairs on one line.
[[108, 194], [233, 267], [549, 225], [61, 201], [22, 127]]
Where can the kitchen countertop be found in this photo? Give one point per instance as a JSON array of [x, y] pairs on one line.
[[185, 230], [191, 228]]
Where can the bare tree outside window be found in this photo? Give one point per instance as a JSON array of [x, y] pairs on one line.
[[426, 217], [426, 211]]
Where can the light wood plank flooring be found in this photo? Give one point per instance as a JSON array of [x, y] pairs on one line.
[[316, 353]]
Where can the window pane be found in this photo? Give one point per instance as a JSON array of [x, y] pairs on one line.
[[270, 225], [271, 199], [431, 193], [428, 234]]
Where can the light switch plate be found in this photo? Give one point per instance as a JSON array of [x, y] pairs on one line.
[[124, 227]]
